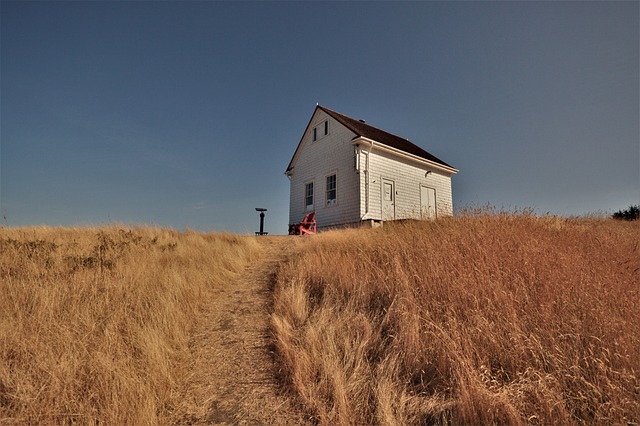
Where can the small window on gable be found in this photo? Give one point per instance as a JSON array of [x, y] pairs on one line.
[[308, 196], [331, 190], [321, 130]]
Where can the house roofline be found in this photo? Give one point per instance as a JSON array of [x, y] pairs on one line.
[[361, 128], [400, 153], [295, 154], [424, 157]]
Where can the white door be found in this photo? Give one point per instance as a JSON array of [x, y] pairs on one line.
[[388, 200], [427, 202]]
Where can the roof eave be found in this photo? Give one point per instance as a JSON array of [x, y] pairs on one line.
[[292, 163], [406, 155]]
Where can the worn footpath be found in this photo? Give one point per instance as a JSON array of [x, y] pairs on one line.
[[232, 344]]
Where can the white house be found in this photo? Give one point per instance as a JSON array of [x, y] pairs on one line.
[[350, 172]]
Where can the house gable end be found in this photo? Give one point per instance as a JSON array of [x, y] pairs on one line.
[[314, 120], [321, 173]]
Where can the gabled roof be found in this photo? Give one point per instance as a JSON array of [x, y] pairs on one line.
[[362, 129]]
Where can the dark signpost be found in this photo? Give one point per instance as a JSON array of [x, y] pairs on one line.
[[258, 209]]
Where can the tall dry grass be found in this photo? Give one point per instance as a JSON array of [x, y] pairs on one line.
[[481, 319], [94, 323]]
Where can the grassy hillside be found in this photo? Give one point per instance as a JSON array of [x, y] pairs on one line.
[[479, 319], [94, 323]]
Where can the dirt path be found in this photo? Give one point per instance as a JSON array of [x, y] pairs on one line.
[[232, 352]]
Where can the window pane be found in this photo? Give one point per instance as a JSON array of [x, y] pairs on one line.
[[308, 194], [331, 190], [331, 182], [388, 196]]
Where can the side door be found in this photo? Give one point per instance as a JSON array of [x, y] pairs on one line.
[[388, 199], [427, 202]]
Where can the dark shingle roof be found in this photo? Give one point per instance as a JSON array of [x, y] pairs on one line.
[[361, 128]]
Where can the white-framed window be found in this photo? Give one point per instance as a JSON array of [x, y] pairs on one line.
[[331, 189], [321, 130], [308, 196]]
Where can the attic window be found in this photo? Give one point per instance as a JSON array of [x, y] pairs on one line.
[[321, 130]]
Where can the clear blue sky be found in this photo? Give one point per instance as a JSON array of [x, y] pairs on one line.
[[186, 114]]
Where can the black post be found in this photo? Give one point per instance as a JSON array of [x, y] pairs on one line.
[[261, 223], [261, 210]]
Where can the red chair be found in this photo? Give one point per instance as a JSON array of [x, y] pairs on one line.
[[307, 226]]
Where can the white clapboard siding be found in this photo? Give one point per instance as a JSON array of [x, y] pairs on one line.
[[318, 159], [408, 176]]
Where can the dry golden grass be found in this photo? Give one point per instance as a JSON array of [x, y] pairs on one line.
[[481, 319], [94, 323]]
